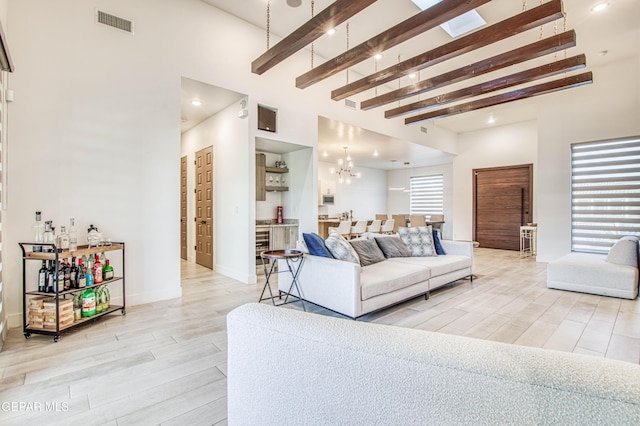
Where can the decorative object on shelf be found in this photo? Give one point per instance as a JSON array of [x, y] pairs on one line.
[[279, 215], [346, 169]]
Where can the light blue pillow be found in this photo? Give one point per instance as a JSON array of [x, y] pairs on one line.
[[419, 239]]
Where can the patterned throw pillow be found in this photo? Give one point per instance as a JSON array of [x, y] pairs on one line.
[[419, 239], [341, 249]]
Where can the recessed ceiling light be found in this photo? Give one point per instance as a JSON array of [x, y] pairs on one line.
[[196, 102], [377, 56], [599, 7], [412, 75], [603, 52], [375, 153], [491, 120], [324, 154], [331, 31]]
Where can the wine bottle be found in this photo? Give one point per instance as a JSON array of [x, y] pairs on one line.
[[42, 276], [66, 270], [107, 271], [82, 279], [73, 235], [38, 233], [60, 281], [73, 273], [51, 278], [97, 270]]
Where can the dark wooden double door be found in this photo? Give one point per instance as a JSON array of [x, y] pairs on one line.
[[503, 201]]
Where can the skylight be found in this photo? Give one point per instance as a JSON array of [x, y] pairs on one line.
[[457, 26]]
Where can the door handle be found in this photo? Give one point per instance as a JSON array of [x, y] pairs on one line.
[[204, 222]]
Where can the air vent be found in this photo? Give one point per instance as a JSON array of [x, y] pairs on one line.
[[423, 129], [114, 21], [350, 104]]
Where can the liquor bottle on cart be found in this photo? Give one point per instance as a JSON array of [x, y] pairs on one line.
[[38, 233], [73, 235], [48, 236]]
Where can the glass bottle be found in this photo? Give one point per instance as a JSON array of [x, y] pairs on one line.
[[47, 237], [73, 273], [63, 239], [66, 270], [51, 278], [60, 281], [38, 233], [107, 271], [73, 235], [82, 279], [42, 277], [97, 270], [89, 273]]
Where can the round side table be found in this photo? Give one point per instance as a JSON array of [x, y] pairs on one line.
[[294, 260]]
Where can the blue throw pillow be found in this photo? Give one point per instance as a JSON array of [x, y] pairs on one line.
[[316, 246], [436, 242]]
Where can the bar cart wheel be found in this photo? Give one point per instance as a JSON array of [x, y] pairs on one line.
[[27, 335], [56, 338], [124, 312]]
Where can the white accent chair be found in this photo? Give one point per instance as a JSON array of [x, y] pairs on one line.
[[388, 226], [343, 229], [359, 229], [375, 226]]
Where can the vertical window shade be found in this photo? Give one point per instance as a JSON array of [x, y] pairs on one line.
[[427, 194], [605, 193]]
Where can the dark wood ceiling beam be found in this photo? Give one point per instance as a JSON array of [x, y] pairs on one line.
[[524, 21], [417, 24], [534, 50], [537, 73], [527, 92], [313, 29]]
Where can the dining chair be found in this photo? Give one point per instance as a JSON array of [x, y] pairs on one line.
[[382, 216], [400, 220], [417, 220], [437, 218], [343, 229], [359, 228], [388, 227], [375, 226]]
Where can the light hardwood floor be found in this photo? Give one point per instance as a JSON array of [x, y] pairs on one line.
[[165, 363]]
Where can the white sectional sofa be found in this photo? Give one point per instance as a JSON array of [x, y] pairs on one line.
[[615, 274], [354, 290], [332, 371]]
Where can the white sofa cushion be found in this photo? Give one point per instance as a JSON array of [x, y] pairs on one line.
[[386, 277], [341, 249], [624, 252], [438, 265]]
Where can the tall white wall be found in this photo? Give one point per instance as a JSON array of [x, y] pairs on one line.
[[229, 136], [608, 108], [365, 196], [398, 202], [495, 147]]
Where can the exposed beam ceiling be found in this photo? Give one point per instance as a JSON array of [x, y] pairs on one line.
[[503, 60], [527, 92], [524, 21], [417, 24], [537, 73], [313, 29]]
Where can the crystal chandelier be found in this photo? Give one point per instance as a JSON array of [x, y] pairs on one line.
[[345, 172]]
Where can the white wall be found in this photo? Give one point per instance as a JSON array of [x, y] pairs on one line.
[[495, 147], [608, 108], [365, 196], [398, 202], [226, 133]]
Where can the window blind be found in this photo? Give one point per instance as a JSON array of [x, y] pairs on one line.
[[427, 194], [605, 193]]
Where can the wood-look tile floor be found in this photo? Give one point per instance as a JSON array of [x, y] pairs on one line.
[[165, 363]]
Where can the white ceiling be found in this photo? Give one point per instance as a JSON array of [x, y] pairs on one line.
[[616, 31], [214, 99]]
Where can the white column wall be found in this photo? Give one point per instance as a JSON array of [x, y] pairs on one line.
[[608, 108], [495, 147]]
